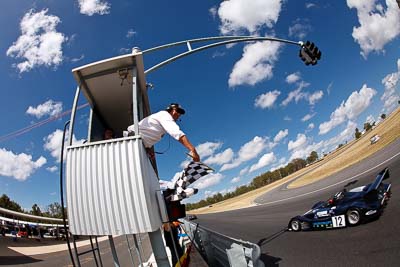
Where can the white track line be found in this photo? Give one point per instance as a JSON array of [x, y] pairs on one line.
[[329, 186]]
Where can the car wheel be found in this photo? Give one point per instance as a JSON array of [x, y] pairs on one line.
[[295, 225], [353, 217]]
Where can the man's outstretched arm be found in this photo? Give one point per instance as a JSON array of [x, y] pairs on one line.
[[185, 141]]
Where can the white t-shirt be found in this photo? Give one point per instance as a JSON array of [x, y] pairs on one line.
[[153, 127]]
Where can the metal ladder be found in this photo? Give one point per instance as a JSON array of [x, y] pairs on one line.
[[94, 247]]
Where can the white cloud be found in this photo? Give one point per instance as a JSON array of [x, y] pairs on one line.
[[52, 169], [390, 97], [328, 89], [377, 25], [209, 193], [220, 158], [19, 166], [71, 39], [300, 28], [266, 100], [293, 77], [344, 136], [130, 33], [218, 54], [282, 160], [244, 171], [207, 181], [311, 126], [310, 5], [325, 146], [296, 95], [170, 184], [163, 183], [258, 59], [287, 118], [308, 117], [213, 11], [50, 108], [91, 7], [280, 135], [315, 97], [305, 151], [300, 141], [265, 160], [227, 190], [251, 149], [354, 106], [40, 44], [238, 15], [208, 148], [370, 119], [185, 162], [222, 192], [53, 142], [247, 152], [124, 50], [76, 59], [231, 165], [235, 180], [280, 164], [256, 63]]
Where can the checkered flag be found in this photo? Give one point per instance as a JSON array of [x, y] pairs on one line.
[[193, 172]]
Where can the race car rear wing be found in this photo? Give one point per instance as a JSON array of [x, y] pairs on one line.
[[382, 175]]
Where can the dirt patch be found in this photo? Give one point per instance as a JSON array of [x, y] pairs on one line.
[[351, 153], [388, 130]]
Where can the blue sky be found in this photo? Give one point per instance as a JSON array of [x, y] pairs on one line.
[[250, 107]]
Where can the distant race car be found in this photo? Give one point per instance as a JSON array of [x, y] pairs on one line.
[[346, 208], [190, 217], [374, 139]]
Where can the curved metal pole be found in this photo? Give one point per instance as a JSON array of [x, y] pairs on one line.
[[231, 39], [62, 194], [73, 112], [206, 39]]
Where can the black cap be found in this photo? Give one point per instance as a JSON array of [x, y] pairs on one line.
[[177, 107]]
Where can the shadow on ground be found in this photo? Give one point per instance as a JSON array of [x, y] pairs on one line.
[[269, 260], [15, 260]]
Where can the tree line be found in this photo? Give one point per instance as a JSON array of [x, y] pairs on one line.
[[367, 126], [270, 177], [52, 211], [259, 181]]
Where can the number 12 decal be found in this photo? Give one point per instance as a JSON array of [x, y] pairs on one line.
[[338, 221]]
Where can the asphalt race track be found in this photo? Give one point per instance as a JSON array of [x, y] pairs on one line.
[[376, 243]]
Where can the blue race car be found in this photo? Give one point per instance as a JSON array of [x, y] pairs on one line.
[[347, 207]]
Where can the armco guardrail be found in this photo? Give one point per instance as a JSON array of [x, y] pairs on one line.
[[220, 250]]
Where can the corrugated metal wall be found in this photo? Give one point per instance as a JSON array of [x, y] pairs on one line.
[[111, 188]]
